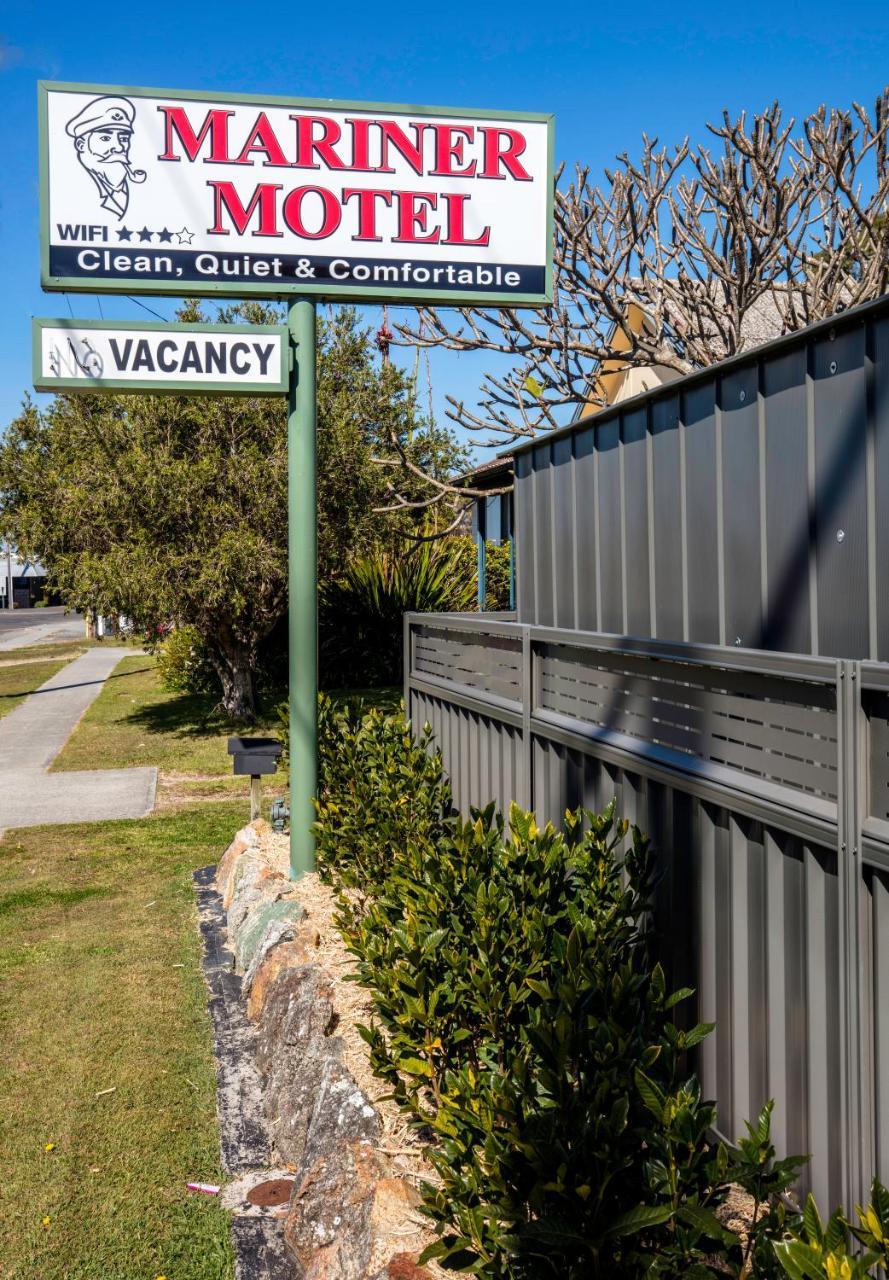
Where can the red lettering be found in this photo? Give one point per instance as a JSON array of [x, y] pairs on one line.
[[367, 211], [262, 138], [360, 145], [292, 210], [308, 146], [496, 154], [449, 140], [413, 217], [456, 233], [226, 198], [215, 123], [411, 151]]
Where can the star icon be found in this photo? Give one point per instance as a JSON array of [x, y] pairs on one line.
[[165, 236], [145, 234], [124, 233], [185, 236]]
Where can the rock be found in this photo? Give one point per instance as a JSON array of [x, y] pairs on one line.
[[324, 1228], [294, 1096], [273, 956], [246, 838], [329, 1226], [298, 1009], [254, 883], [295, 1050], [281, 916], [227, 865]]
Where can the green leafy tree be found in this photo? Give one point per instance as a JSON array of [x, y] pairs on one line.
[[173, 509]]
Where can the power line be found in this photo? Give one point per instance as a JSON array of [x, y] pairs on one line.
[[68, 300], [148, 309]]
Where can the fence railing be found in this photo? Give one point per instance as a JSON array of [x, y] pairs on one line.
[[762, 780]]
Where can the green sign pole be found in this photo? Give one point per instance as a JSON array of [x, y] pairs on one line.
[[303, 584]]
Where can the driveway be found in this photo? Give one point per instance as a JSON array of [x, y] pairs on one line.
[[33, 734]]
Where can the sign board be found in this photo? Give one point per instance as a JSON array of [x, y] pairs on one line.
[[203, 194], [126, 355]]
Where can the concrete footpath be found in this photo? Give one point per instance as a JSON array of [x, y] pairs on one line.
[[33, 734]]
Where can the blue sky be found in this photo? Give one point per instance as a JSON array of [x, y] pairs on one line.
[[606, 72]]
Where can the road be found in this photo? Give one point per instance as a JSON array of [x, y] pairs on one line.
[[21, 627]]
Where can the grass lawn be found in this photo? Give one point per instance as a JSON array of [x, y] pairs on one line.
[[136, 722], [100, 988], [21, 678]]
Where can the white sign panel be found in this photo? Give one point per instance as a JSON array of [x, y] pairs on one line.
[[72, 355], [172, 192]]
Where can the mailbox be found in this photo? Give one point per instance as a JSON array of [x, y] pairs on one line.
[[253, 757]]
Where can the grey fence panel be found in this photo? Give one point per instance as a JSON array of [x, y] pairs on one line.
[[701, 515], [482, 755], [586, 544], [609, 508], [761, 487], [636, 518], [788, 622], [741, 507], [762, 781], [564, 526], [878, 367], [666, 486], [840, 409]]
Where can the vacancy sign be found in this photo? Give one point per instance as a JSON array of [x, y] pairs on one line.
[[228, 359], [235, 195]]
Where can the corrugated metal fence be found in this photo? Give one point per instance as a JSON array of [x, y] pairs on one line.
[[747, 503], [763, 782]]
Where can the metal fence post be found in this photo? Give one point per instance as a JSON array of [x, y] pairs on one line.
[[527, 779], [406, 681], [849, 822]]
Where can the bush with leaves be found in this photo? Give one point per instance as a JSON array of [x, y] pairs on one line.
[[182, 662], [524, 1028]]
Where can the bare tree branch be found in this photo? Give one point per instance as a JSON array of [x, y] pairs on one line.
[[765, 229]]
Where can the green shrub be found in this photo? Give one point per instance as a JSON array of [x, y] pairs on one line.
[[522, 1026], [182, 663], [379, 791], [361, 614]]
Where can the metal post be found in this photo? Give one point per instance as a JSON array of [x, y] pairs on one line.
[[303, 586], [9, 598], [481, 533]]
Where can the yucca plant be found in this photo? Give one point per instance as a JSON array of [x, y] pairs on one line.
[[361, 613]]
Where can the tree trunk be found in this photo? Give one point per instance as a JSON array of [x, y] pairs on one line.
[[231, 661]]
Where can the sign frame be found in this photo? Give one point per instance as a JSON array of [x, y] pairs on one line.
[[321, 290], [159, 386]]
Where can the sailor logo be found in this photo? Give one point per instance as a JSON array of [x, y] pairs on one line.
[[102, 133]]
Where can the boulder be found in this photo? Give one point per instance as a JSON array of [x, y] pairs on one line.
[[255, 884], [274, 954], [329, 1226], [295, 1049], [269, 923], [247, 838]]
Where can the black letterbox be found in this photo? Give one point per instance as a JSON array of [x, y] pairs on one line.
[[254, 756]]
